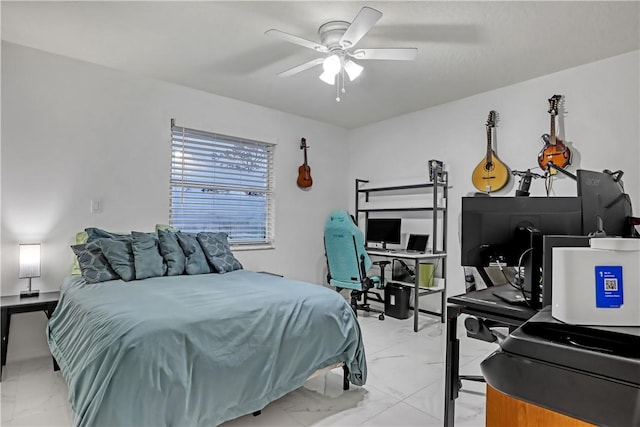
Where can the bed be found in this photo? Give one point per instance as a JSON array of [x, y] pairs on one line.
[[196, 350]]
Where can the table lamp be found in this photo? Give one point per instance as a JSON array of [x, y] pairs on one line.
[[29, 266]]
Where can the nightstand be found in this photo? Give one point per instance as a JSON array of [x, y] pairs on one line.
[[46, 301]]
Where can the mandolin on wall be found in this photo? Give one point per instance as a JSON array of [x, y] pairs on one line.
[[490, 174], [554, 149]]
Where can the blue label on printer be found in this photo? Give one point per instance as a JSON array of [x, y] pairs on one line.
[[609, 293]]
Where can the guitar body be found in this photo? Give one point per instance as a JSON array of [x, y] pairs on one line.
[[558, 154], [490, 176], [304, 171], [304, 177]]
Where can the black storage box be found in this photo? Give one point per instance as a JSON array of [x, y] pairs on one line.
[[396, 300]]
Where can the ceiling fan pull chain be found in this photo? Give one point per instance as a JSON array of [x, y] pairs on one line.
[[338, 87]]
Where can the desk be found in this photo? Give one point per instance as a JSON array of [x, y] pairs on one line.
[[417, 258], [46, 301], [482, 304]]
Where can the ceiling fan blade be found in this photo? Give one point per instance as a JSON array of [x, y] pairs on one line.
[[302, 67], [361, 24], [296, 40], [393, 54]]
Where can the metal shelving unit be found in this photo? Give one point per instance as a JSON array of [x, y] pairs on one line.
[[437, 208]]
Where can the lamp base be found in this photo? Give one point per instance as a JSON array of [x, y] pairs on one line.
[[30, 293]]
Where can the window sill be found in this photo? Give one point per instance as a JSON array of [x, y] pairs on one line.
[[252, 247]]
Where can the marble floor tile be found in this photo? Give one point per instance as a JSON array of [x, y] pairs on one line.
[[405, 385], [400, 415], [271, 416], [353, 407], [469, 407], [401, 375], [51, 417]]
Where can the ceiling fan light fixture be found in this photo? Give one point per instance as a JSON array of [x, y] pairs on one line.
[[338, 40], [328, 78], [353, 70], [332, 64]]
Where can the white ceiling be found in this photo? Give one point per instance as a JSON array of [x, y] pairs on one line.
[[464, 48]]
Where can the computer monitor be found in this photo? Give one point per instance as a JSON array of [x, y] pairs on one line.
[[495, 229], [606, 208], [508, 231], [383, 230]]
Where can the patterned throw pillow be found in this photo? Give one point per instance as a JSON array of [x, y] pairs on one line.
[[93, 264], [196, 260], [218, 253], [172, 252], [146, 254]]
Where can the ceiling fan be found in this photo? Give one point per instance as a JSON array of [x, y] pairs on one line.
[[338, 40]]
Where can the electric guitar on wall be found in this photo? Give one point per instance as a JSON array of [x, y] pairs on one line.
[[554, 150], [304, 171], [490, 174]]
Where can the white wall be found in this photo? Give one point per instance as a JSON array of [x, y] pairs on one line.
[[72, 131], [599, 121]]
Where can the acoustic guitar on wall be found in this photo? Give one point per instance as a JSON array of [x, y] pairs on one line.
[[304, 171], [490, 174], [554, 150]]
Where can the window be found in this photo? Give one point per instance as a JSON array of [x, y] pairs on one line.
[[222, 183]]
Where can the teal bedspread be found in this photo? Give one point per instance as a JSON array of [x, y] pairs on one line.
[[196, 350]]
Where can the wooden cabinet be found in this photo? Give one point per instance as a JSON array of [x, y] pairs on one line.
[[505, 411]]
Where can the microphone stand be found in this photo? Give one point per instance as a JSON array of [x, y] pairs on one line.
[[564, 171], [525, 182]]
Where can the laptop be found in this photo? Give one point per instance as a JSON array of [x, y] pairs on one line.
[[513, 296], [417, 243]]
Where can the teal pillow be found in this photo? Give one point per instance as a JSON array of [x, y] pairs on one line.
[[216, 249], [94, 266], [172, 252], [119, 253], [146, 256], [94, 233], [196, 260]]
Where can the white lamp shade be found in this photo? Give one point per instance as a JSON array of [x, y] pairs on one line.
[[353, 70], [332, 64], [29, 260], [328, 78]]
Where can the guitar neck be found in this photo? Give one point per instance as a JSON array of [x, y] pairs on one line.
[[488, 159], [305, 156], [552, 136]]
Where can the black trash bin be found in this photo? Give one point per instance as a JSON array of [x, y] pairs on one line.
[[396, 300]]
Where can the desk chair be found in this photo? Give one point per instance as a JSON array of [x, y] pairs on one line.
[[348, 261]]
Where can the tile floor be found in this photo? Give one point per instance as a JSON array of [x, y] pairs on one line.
[[405, 386]]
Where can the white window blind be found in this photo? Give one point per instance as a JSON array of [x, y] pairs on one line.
[[222, 183]]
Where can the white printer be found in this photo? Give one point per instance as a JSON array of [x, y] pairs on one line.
[[598, 285]]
